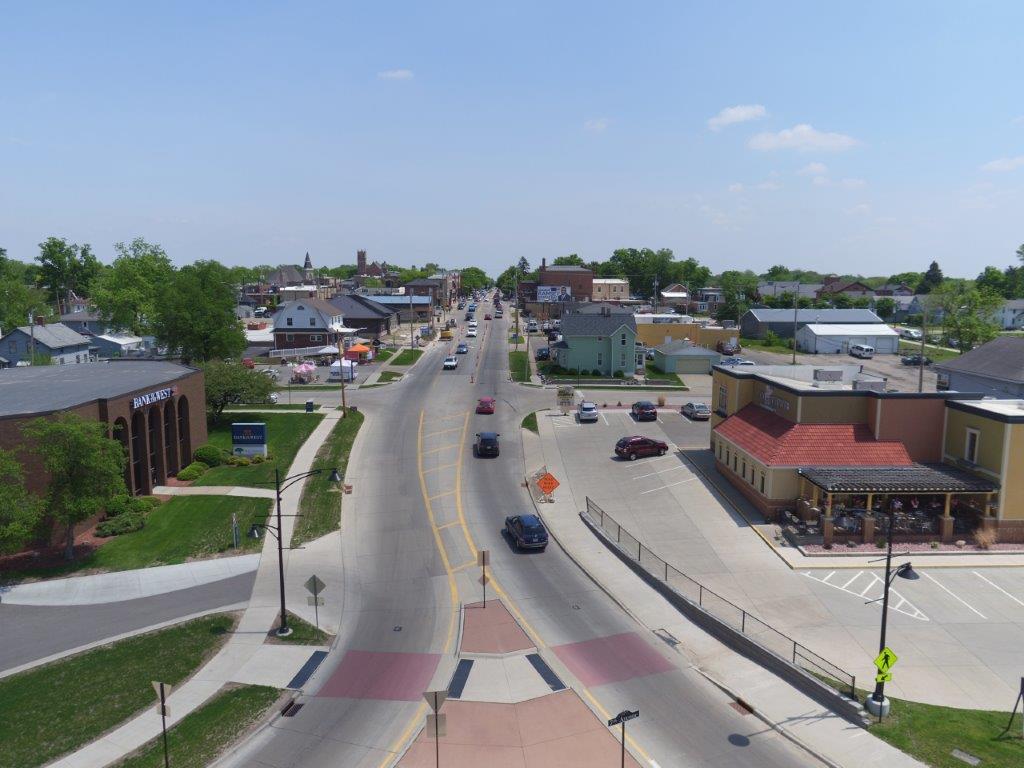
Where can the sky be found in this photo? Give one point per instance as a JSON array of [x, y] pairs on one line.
[[867, 137]]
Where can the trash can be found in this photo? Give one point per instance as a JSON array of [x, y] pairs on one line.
[[309, 406]]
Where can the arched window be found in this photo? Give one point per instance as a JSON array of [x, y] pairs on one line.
[[139, 453], [171, 438], [156, 447], [184, 433]]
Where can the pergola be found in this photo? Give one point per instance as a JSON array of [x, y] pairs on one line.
[[912, 480]]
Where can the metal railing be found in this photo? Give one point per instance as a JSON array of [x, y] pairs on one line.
[[725, 611]]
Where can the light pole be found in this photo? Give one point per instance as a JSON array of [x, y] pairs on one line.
[[876, 703], [255, 528]]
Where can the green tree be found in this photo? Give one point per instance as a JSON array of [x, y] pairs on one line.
[[523, 265], [231, 383], [967, 313], [841, 300], [572, 260], [126, 294], [195, 313], [1020, 253], [474, 278], [643, 266], [739, 292], [20, 511], [778, 272], [66, 267], [507, 280], [861, 302], [18, 296], [343, 271], [885, 307], [992, 279], [86, 468], [932, 279]]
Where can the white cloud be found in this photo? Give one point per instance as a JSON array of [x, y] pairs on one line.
[[769, 186], [596, 124], [853, 183], [803, 138], [741, 113], [736, 187], [1019, 120], [395, 74], [1004, 164], [821, 181], [813, 169]]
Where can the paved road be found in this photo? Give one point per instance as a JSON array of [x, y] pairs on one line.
[[28, 633], [422, 506]]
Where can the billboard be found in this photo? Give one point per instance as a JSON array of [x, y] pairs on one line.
[[249, 438], [553, 293]]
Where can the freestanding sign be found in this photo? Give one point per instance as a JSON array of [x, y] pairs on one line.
[[163, 690], [621, 719], [249, 438]]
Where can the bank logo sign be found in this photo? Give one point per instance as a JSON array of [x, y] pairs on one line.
[[771, 402], [249, 438], [153, 397]]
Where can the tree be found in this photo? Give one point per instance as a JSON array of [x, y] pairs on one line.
[[86, 468], [885, 307], [195, 313], [126, 294], [66, 267], [932, 279], [778, 272], [967, 313], [994, 280], [643, 266], [1020, 253], [523, 265], [572, 260], [230, 383], [18, 296], [739, 292], [507, 280], [343, 271], [861, 302], [20, 511], [474, 278]]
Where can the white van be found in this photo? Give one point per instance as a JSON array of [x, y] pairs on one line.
[[862, 351]]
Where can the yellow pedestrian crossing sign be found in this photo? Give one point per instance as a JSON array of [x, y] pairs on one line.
[[886, 660], [883, 677]]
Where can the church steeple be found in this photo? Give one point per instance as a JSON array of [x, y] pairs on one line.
[[307, 269]]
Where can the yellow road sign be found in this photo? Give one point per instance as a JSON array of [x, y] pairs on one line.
[[883, 677], [886, 660]]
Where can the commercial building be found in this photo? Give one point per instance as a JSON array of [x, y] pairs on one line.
[[610, 289], [370, 318], [995, 369], [562, 283], [819, 338], [776, 288], [604, 342], [410, 309], [55, 342], [757, 323], [830, 447], [156, 409], [676, 295]]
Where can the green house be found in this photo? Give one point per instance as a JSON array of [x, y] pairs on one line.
[[603, 341]]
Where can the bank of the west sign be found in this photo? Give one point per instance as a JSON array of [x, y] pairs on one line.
[[152, 397]]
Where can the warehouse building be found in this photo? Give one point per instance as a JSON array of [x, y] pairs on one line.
[[756, 323], [838, 339]]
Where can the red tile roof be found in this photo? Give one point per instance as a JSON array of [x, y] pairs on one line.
[[776, 441]]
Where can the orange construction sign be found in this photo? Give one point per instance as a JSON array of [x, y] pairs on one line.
[[547, 483]]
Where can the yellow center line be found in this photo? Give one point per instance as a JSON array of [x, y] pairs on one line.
[[464, 566], [449, 525]]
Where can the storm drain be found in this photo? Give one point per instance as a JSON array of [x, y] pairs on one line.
[[292, 709]]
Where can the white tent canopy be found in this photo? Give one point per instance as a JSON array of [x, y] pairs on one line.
[[348, 366]]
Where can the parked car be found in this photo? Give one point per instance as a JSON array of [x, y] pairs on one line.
[[526, 532], [499, 314], [485, 405], [487, 317], [450, 363], [696, 411], [486, 444], [546, 326], [915, 359], [531, 327], [271, 374], [471, 333], [910, 333], [248, 362], [736, 361], [649, 354], [553, 336], [462, 349], [542, 354], [272, 398], [636, 446], [587, 411], [644, 410], [728, 347]]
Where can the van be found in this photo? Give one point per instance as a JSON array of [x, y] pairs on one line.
[[862, 351], [447, 335]]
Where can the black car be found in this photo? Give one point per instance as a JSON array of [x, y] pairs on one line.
[[915, 359], [527, 532], [644, 410], [469, 316], [542, 354], [636, 446], [486, 444]]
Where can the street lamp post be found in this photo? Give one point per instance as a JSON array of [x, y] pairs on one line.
[[254, 531]]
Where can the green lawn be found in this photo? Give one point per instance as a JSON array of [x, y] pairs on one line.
[[384, 355], [285, 435], [386, 376], [321, 501], [56, 708], [530, 422], [407, 357], [513, 339], [303, 633], [668, 378], [758, 345], [273, 407], [519, 366], [937, 354]]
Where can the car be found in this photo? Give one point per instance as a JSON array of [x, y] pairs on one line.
[[471, 333], [487, 317], [649, 354], [472, 307], [486, 444], [542, 354], [910, 333], [462, 349], [460, 306], [696, 411], [586, 411], [526, 532], [553, 336], [644, 410], [636, 446], [727, 347], [531, 327], [450, 363], [272, 398], [270, 373], [735, 361], [915, 359], [485, 405], [499, 314], [469, 316], [473, 324]]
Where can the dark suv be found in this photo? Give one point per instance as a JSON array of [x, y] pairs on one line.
[[644, 410], [636, 446], [486, 444]]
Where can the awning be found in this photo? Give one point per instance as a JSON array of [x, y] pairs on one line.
[[915, 478], [359, 348]]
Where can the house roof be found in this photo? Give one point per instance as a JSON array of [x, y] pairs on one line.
[[838, 286], [778, 442], [917, 478], [359, 307], [85, 315], [813, 316], [595, 308], [565, 268], [1001, 359], [286, 274], [425, 281], [55, 335], [850, 329], [599, 324], [401, 301], [610, 280]]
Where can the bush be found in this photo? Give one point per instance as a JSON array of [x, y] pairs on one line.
[[193, 471], [619, 375], [210, 455], [771, 339], [257, 459], [151, 502], [127, 522], [242, 461], [595, 372], [120, 505], [984, 538]]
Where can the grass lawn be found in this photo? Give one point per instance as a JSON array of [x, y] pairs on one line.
[[273, 407], [303, 633], [519, 366], [513, 339], [387, 376], [758, 345], [297, 389], [530, 422], [937, 354], [203, 735], [384, 354], [285, 435], [668, 378], [56, 708], [407, 357], [320, 505]]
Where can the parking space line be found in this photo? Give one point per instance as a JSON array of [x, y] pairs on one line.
[[897, 602], [688, 480], [605, 419], [852, 580], [958, 599], [871, 582], [652, 474], [991, 584], [830, 575]]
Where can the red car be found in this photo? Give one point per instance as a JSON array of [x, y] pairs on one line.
[[636, 446], [487, 317], [485, 405]]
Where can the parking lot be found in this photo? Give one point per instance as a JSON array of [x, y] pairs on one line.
[[900, 377], [957, 631]]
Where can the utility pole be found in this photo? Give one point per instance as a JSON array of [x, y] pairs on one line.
[[32, 333], [412, 344], [924, 338], [655, 294], [341, 366], [796, 304]]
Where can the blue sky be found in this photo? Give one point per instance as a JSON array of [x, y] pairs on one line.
[[872, 137]]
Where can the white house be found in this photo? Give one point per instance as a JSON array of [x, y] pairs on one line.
[[1010, 316]]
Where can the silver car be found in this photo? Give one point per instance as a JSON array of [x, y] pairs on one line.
[[586, 411]]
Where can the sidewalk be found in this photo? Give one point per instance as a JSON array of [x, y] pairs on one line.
[[783, 708], [244, 658], [214, 490]]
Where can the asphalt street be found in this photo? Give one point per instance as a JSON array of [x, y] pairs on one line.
[[422, 507]]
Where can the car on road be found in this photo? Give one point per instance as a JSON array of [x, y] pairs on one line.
[[910, 333], [462, 349], [469, 316], [499, 314], [727, 347], [487, 317], [546, 326], [736, 361], [542, 354], [272, 398], [531, 327], [526, 532], [270, 373], [485, 405], [637, 446], [696, 411], [471, 333], [915, 359], [450, 363], [486, 444], [644, 410], [587, 411]]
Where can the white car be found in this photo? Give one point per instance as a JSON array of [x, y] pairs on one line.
[[910, 333], [473, 324], [471, 333], [272, 398], [586, 411], [451, 363]]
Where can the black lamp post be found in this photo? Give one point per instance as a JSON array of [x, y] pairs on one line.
[[255, 528], [877, 704]]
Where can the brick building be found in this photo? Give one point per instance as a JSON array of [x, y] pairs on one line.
[[578, 280]]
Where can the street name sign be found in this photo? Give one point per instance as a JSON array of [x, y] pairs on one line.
[[624, 717]]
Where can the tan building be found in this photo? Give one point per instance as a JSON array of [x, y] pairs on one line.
[[610, 289]]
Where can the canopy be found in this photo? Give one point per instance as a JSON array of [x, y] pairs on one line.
[[359, 348], [337, 364]]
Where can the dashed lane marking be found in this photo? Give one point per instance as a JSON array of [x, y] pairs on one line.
[[955, 597], [897, 602]]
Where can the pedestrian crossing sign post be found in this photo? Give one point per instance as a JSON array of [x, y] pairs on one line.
[[886, 660], [883, 677]]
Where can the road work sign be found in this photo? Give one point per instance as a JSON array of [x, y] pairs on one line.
[[548, 483], [886, 660]]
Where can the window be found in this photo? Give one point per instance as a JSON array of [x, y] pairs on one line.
[[971, 445], [288, 321], [600, 361], [13, 345], [622, 360], [312, 322], [315, 337], [735, 458], [289, 337], [762, 483], [723, 397], [727, 457], [622, 341], [743, 474]]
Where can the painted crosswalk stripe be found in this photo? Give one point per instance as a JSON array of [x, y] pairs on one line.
[[857, 576]]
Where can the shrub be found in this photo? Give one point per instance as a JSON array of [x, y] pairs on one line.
[[934, 545], [984, 538], [151, 502], [619, 375], [242, 461], [210, 455], [661, 401], [123, 523], [880, 543], [257, 459], [595, 372], [193, 471], [771, 339], [119, 505]]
